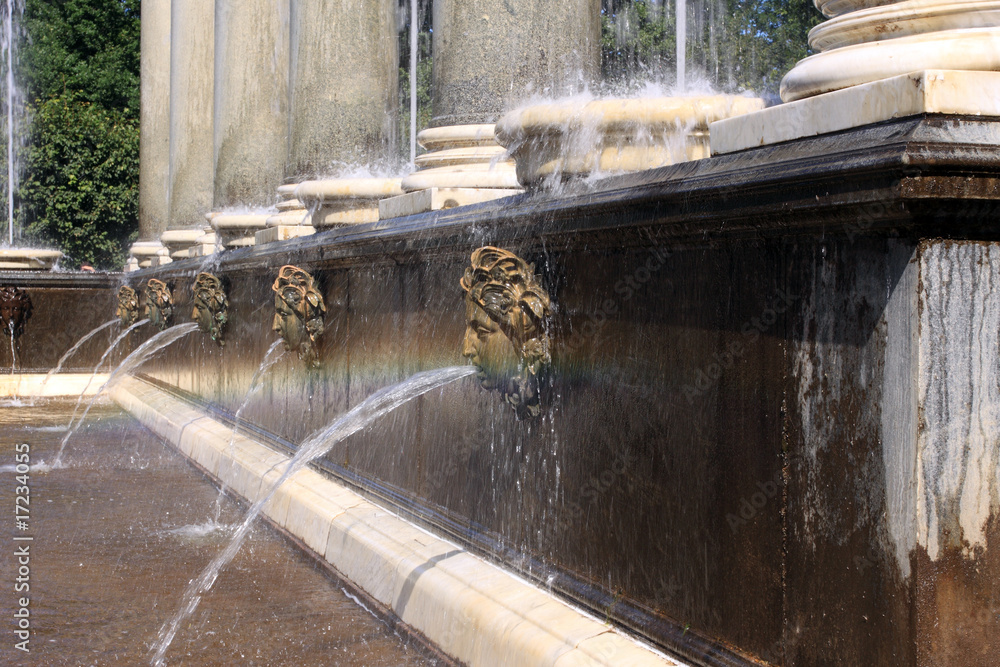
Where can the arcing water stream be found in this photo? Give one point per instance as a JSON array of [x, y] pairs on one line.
[[373, 407], [100, 362], [270, 358], [70, 352], [131, 362]]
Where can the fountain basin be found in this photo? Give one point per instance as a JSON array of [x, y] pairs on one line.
[[571, 140], [470, 609]]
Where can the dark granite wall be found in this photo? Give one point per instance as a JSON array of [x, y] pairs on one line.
[[65, 307], [728, 461]]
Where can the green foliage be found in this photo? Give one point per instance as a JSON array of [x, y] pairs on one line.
[[81, 185], [734, 45], [86, 47], [80, 67]]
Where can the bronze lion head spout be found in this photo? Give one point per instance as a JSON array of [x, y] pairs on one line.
[[298, 313], [159, 304], [211, 308], [506, 336], [128, 306]]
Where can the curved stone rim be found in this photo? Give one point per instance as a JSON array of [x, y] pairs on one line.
[[467, 176], [456, 136], [902, 19], [966, 50], [620, 115], [348, 188], [833, 8]]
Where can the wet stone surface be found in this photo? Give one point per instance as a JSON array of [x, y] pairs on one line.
[[120, 531]]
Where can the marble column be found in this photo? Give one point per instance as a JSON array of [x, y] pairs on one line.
[[154, 118], [343, 82], [489, 55], [251, 101], [154, 131], [192, 47]]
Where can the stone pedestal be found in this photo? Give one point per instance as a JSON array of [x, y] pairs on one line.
[[345, 201], [562, 141], [951, 92], [178, 241], [141, 254], [464, 165], [861, 44], [880, 62], [291, 220], [236, 230]]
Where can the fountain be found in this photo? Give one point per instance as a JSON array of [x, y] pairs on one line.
[[735, 398], [16, 257]]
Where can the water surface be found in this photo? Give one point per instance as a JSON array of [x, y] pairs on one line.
[[120, 532]]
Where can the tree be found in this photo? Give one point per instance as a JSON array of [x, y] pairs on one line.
[[735, 45], [81, 185], [80, 67]]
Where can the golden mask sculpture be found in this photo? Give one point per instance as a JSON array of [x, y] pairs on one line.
[[128, 306], [211, 309], [15, 309], [506, 337], [159, 304], [298, 313]]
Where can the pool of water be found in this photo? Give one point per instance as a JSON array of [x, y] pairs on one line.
[[118, 533]]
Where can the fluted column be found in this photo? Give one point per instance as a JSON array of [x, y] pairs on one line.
[[192, 46], [344, 72], [251, 101], [491, 54], [154, 118]]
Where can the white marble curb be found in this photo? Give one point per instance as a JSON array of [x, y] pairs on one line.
[[61, 384], [472, 610]]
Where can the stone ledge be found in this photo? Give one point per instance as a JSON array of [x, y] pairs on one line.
[[436, 199], [925, 92], [472, 610], [62, 384]]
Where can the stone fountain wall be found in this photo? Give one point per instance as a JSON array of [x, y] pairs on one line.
[[769, 434]]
